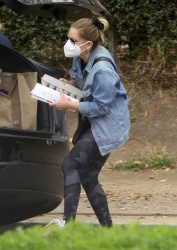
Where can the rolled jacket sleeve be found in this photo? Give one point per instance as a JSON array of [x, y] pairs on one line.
[[103, 92]]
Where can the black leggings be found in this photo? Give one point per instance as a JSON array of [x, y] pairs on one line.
[[81, 167]]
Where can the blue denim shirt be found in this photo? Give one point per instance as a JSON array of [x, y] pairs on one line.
[[105, 100]]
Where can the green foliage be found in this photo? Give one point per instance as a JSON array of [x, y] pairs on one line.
[[79, 236], [159, 160], [144, 18], [143, 22], [138, 23], [41, 39]]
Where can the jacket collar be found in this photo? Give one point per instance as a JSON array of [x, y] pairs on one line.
[[92, 57]]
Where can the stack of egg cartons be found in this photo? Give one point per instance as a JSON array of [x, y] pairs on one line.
[[56, 84]]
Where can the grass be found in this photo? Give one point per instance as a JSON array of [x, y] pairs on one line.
[[79, 236], [157, 161]]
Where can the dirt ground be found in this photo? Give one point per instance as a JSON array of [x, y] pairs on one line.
[[147, 197]]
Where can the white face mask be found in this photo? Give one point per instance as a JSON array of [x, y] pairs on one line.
[[72, 50]]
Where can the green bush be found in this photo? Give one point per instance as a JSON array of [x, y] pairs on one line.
[[141, 20], [78, 236], [139, 23], [143, 23], [41, 39]]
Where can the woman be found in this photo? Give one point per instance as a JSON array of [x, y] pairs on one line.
[[105, 105]]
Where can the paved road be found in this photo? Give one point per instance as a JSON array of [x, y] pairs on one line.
[[148, 197]]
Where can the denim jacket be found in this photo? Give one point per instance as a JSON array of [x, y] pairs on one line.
[[105, 100]]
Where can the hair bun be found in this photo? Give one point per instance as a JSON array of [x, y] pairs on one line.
[[98, 23]]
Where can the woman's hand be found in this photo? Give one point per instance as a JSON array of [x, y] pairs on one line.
[[71, 82], [64, 103]]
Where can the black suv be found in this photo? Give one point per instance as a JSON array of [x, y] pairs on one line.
[[31, 181]]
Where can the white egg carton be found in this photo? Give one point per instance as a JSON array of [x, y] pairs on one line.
[[45, 94], [56, 84]]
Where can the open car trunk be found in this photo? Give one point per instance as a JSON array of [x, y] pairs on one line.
[[51, 123], [31, 181], [59, 9]]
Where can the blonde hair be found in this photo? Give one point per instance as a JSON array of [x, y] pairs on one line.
[[92, 29]]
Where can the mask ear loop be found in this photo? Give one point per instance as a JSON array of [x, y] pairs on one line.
[[88, 49], [82, 43], [84, 49]]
